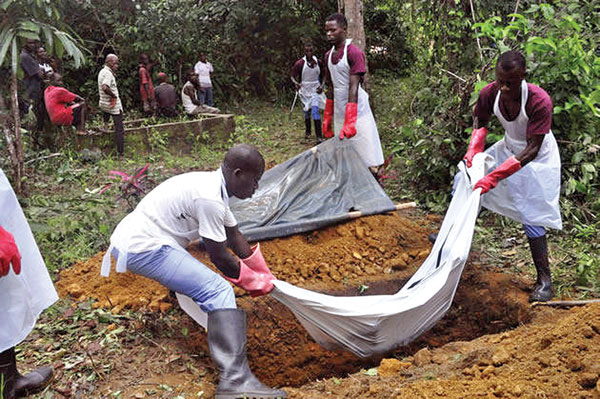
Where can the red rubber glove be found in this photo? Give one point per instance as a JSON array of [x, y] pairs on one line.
[[476, 145], [255, 283], [256, 262], [489, 181], [349, 128], [9, 253], [113, 102], [327, 115]]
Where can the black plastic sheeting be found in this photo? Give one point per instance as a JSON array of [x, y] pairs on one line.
[[316, 188]]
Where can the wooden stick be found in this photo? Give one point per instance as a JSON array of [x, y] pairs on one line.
[[566, 303], [406, 205], [478, 42], [453, 74], [56, 154]]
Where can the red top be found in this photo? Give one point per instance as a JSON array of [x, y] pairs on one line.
[[145, 78], [356, 59], [538, 108], [56, 99]]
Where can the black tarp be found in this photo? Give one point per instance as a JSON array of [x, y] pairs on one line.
[[314, 189]]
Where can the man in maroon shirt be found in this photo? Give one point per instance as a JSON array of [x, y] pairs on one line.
[[347, 104], [524, 184], [65, 108], [307, 76]]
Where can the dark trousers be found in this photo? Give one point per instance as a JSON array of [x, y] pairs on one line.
[[119, 130], [36, 99], [205, 96]]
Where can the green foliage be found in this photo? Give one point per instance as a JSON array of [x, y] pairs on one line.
[[251, 46], [36, 20], [586, 245], [159, 140], [387, 33]]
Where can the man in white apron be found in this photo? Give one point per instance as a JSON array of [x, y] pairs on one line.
[[151, 241], [525, 182], [24, 293], [348, 104], [307, 76]]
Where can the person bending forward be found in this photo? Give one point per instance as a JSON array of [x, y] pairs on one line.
[[525, 182], [150, 241]]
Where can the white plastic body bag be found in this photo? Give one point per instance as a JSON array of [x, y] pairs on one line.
[[368, 325]]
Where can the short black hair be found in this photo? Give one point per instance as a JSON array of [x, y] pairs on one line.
[[339, 18], [245, 157], [189, 73], [512, 59]]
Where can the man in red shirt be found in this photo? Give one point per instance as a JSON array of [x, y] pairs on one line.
[[146, 86], [65, 108]]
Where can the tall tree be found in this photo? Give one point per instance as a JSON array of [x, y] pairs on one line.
[[353, 11], [21, 20]]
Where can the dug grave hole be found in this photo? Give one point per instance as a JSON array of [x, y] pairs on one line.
[[367, 256]]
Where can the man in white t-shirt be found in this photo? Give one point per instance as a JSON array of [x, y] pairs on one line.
[[151, 241], [204, 69]]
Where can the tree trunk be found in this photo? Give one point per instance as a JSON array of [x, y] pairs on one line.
[[353, 10], [14, 142]]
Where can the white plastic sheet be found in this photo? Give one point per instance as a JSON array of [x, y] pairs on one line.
[[368, 325], [24, 296]]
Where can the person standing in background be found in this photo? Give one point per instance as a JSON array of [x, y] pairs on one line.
[[204, 70]]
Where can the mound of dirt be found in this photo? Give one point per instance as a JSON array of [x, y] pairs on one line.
[[372, 247], [118, 291], [556, 357]]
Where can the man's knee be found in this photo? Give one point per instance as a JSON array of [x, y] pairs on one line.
[[221, 296]]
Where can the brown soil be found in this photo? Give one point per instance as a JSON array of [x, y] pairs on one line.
[[557, 357], [380, 252], [372, 248]]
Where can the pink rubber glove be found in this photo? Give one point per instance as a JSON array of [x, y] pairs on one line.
[[507, 168], [327, 115], [255, 283], [349, 128], [476, 145], [9, 253], [256, 262]]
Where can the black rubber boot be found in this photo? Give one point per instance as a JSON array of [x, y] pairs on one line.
[[432, 237], [307, 128], [318, 131], [543, 290], [8, 373], [16, 385], [227, 345]]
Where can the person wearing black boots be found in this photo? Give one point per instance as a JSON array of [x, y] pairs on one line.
[[24, 293], [524, 182], [307, 76], [152, 240]]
